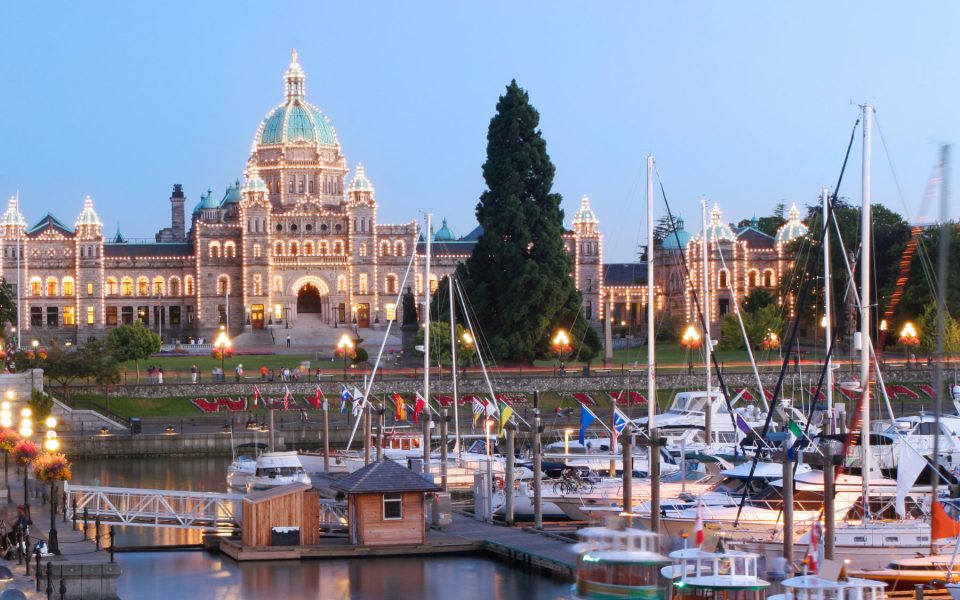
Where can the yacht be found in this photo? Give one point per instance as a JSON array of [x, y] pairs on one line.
[[275, 469], [244, 465]]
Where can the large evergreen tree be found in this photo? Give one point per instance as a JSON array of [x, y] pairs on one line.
[[518, 278]]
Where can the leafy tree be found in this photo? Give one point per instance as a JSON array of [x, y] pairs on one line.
[[759, 324], [757, 298], [132, 342], [920, 286], [8, 305], [64, 366], [518, 277], [768, 225], [927, 331], [664, 227], [440, 350]]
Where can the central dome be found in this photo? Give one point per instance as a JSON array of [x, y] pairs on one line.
[[296, 120]]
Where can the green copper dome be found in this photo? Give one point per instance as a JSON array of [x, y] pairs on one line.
[[676, 240], [232, 195], [13, 216], [793, 228], [296, 120], [360, 181], [253, 183], [444, 234], [206, 201]]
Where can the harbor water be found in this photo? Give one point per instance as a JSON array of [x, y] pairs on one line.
[[162, 573]]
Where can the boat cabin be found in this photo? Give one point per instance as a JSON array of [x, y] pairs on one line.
[[723, 575], [385, 503], [616, 563], [813, 587]]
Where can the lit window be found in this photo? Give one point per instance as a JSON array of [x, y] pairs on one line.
[[91, 315], [294, 249], [278, 249], [111, 286], [36, 286], [277, 311], [229, 250], [363, 283], [143, 286], [363, 249], [324, 248], [257, 284], [308, 249], [384, 248], [90, 289], [341, 284], [399, 248], [768, 278], [188, 285], [223, 285], [391, 284], [434, 283], [69, 315], [214, 249], [52, 286], [174, 286], [338, 248], [391, 310], [392, 507], [278, 284], [723, 278], [68, 288], [158, 286]]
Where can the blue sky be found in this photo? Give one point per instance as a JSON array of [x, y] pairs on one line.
[[747, 103]]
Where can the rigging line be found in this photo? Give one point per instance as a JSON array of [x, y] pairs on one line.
[[701, 314], [793, 333]]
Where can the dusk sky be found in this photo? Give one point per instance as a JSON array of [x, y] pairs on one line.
[[748, 103]]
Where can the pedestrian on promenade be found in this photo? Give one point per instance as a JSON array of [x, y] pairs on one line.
[[239, 372], [160, 375], [263, 373], [193, 374]]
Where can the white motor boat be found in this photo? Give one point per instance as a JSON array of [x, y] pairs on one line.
[[244, 465], [275, 469]]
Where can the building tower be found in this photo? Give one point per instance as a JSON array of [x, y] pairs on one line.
[[588, 260], [362, 217], [88, 290], [255, 217]]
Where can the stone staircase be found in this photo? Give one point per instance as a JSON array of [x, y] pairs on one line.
[[84, 421], [309, 332]]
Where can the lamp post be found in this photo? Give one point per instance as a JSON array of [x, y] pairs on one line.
[[222, 343], [908, 339], [566, 440], [344, 349], [51, 444], [561, 345], [26, 431], [690, 341]]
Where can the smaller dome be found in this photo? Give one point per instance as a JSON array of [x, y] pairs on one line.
[[717, 230], [232, 195], [206, 201], [88, 216], [444, 234], [13, 217], [584, 213], [793, 228], [360, 182], [253, 183], [677, 240]]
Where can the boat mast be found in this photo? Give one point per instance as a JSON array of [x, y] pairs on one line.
[[941, 319], [453, 367], [653, 457], [426, 348], [708, 405], [827, 310], [865, 230], [19, 282]]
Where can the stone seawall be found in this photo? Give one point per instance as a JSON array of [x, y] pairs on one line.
[[152, 445]]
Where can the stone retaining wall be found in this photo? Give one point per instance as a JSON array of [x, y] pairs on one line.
[[140, 445]]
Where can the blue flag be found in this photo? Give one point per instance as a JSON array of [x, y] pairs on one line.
[[619, 421], [742, 425], [586, 417], [344, 398]]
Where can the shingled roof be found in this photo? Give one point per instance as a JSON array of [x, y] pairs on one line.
[[384, 475]]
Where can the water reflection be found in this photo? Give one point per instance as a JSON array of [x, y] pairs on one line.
[[199, 575]]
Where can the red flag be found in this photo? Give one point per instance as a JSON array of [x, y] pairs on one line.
[[418, 407], [256, 396], [943, 525], [698, 526], [400, 408], [286, 398], [813, 550]]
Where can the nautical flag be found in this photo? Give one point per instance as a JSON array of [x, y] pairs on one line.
[[620, 420], [795, 432], [742, 425], [286, 398], [814, 550], [698, 525], [400, 414], [505, 413], [586, 418], [479, 408], [320, 400], [256, 396], [344, 398], [418, 405], [491, 408], [942, 525]]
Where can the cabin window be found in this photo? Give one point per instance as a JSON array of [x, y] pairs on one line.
[[392, 507], [859, 539]]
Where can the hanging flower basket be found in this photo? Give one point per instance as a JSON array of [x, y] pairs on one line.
[[42, 354], [25, 451], [51, 467], [227, 353], [8, 439]]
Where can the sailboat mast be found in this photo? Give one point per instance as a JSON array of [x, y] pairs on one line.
[[653, 457], [453, 367], [19, 282], [827, 310], [426, 347], [941, 316], [708, 405], [865, 247]]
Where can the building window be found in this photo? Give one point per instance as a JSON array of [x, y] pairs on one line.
[[36, 316], [36, 286], [384, 248], [278, 249], [92, 316], [188, 285], [338, 248], [90, 289], [68, 287], [768, 278], [111, 316], [174, 286], [311, 186], [53, 316], [399, 248], [69, 315], [229, 250], [112, 286], [589, 310], [290, 186], [294, 249], [722, 279], [143, 314], [362, 284], [256, 250], [341, 284], [174, 315], [419, 283], [308, 248], [324, 248], [300, 187], [434, 283], [257, 284], [158, 286], [126, 315], [752, 279], [392, 507], [342, 312], [214, 249], [278, 284], [223, 285], [589, 284], [363, 249], [222, 313], [391, 311], [278, 311], [391, 284], [52, 286]]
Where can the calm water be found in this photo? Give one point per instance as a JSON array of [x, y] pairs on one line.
[[196, 574]]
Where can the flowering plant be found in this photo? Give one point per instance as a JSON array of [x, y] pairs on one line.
[[227, 352], [24, 452], [52, 467], [8, 439]]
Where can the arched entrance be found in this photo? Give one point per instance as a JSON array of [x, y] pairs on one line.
[[309, 299]]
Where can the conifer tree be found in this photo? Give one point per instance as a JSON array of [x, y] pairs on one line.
[[518, 278]]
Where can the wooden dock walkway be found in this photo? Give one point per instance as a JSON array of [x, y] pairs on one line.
[[523, 547]]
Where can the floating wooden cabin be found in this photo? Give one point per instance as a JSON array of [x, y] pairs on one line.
[[282, 516]]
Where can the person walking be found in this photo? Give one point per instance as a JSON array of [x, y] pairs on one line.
[[160, 375], [288, 341], [263, 373], [239, 372], [193, 374]]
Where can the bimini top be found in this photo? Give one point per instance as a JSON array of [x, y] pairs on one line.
[[296, 120]]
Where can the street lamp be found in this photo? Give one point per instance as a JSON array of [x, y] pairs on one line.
[[566, 440], [345, 349], [561, 345], [26, 431], [467, 344], [51, 444], [908, 338], [690, 341], [222, 343]]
